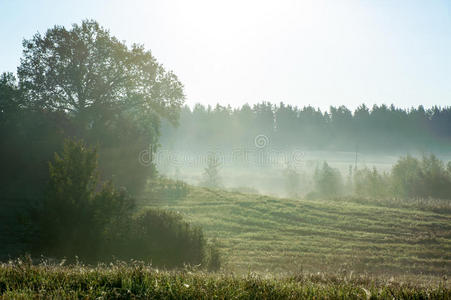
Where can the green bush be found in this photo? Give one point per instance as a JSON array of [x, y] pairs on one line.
[[211, 175], [165, 239], [163, 188], [214, 259], [292, 180], [371, 183], [428, 177], [410, 177], [72, 216], [328, 181], [79, 217]]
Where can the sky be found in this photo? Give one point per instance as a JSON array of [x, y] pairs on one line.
[[306, 52]]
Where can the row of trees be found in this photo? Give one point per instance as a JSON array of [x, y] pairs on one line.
[[380, 128], [410, 177]]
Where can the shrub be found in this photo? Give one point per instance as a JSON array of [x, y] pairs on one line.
[[292, 181], [214, 257], [405, 177], [72, 216], [165, 239], [370, 183], [211, 172], [79, 218], [163, 188], [328, 181], [423, 178]]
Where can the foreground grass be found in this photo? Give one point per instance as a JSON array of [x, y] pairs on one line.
[[262, 233], [22, 280]]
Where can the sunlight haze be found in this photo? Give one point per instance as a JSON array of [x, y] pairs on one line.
[[301, 52]]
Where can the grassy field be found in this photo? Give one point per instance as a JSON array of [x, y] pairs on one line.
[[273, 248], [21, 280], [268, 234]]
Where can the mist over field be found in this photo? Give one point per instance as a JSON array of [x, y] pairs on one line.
[[226, 150], [255, 146]]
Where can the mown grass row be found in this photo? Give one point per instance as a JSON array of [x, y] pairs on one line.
[[267, 233], [20, 279]]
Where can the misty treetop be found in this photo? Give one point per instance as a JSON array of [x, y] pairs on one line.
[[84, 68], [83, 82], [380, 128]]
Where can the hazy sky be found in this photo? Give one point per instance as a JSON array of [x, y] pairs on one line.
[[321, 52]]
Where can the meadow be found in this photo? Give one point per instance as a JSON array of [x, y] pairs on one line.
[[280, 235]]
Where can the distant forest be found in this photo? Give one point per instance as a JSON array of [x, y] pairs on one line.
[[378, 129]]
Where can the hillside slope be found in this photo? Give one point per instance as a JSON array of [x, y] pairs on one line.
[[262, 233]]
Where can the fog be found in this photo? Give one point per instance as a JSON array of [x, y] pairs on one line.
[[105, 158], [255, 146]]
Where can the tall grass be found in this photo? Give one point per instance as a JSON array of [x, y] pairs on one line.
[[21, 279]]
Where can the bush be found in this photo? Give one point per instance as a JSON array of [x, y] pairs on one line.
[[165, 239], [211, 172], [328, 181], [77, 217], [370, 183], [163, 188], [423, 178], [214, 257], [72, 217], [292, 181]]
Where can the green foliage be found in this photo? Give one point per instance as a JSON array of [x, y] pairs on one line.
[[165, 239], [423, 178], [73, 216], [292, 181], [10, 98], [166, 189], [111, 95], [370, 183], [84, 70], [214, 257], [21, 280], [328, 181], [410, 177], [78, 217], [211, 172], [406, 174]]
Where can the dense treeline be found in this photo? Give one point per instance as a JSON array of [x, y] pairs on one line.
[[380, 128]]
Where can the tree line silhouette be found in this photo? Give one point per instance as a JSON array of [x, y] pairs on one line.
[[381, 128]]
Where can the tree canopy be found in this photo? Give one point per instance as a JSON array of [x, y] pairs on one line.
[[83, 82], [83, 69]]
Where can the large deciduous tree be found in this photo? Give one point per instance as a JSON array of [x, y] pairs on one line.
[[85, 68], [114, 94]]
